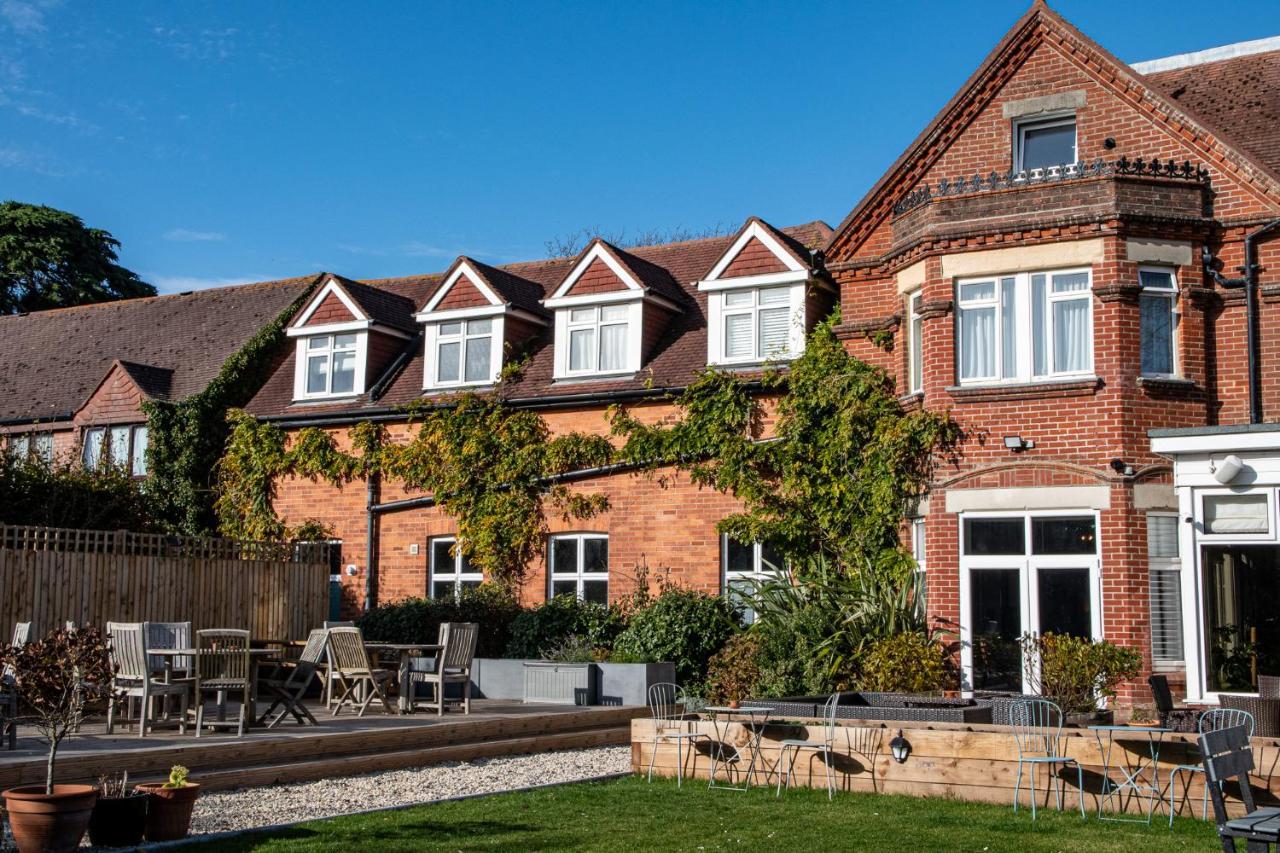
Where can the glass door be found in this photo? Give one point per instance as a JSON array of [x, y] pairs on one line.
[[1241, 600]]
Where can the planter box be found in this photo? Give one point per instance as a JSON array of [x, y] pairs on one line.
[[629, 683], [615, 683], [560, 683]]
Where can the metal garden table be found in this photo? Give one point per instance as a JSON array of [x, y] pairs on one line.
[[1131, 780], [721, 716]]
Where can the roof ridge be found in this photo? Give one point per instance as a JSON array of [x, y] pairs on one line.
[[1190, 59]]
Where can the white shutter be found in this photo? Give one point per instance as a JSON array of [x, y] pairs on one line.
[[1235, 514], [1165, 584]]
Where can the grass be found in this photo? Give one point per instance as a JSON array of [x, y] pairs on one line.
[[631, 815]]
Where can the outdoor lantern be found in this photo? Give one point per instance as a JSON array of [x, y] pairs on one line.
[[900, 747]]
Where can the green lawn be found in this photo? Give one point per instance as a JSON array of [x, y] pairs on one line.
[[630, 815]]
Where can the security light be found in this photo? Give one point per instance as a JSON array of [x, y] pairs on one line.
[[1017, 442], [900, 747]]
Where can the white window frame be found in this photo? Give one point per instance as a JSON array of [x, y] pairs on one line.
[[565, 325], [361, 349], [457, 576], [1024, 341], [434, 339], [1172, 565], [1201, 523], [1170, 294], [578, 575], [755, 574], [105, 456], [1021, 126], [915, 343], [1028, 566], [718, 309]]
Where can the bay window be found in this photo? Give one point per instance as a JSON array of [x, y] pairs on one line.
[[1024, 327], [330, 366], [579, 566], [1158, 309]]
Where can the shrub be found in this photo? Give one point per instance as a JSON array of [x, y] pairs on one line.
[[417, 620], [536, 631], [681, 626], [904, 663], [65, 494], [790, 659], [732, 673], [1076, 672]]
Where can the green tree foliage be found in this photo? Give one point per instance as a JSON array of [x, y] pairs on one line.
[[417, 620], [904, 663], [50, 259], [65, 494], [682, 626], [537, 631]]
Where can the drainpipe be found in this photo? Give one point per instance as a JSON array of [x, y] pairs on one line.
[[371, 538], [1249, 282]]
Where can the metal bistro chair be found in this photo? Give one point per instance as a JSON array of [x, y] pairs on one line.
[[1210, 721], [452, 664], [670, 724], [288, 684], [133, 678], [223, 667], [1037, 731], [824, 748], [1228, 755], [350, 662]]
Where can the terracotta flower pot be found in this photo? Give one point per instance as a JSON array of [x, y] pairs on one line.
[[735, 703], [49, 823], [119, 821], [169, 812]]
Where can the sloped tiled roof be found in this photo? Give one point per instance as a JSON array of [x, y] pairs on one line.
[[50, 361], [673, 362], [381, 306]]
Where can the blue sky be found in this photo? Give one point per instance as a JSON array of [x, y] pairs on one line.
[[229, 142]]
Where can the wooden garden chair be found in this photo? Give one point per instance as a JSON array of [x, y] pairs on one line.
[[288, 684], [223, 667], [350, 663], [452, 664], [133, 678]]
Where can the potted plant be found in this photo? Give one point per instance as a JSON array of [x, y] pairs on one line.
[[169, 811], [1078, 673], [120, 815]]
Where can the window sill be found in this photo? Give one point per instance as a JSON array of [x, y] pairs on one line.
[[320, 401], [587, 378], [1080, 387], [1167, 385]]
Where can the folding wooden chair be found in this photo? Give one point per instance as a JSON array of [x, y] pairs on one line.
[[350, 663], [289, 684]]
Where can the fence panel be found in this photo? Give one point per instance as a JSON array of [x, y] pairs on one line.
[[48, 576]]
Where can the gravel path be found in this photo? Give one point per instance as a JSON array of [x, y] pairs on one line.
[[244, 808]]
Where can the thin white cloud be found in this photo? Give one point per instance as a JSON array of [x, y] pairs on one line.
[[418, 249], [186, 235], [34, 161], [24, 16], [183, 283], [411, 249]]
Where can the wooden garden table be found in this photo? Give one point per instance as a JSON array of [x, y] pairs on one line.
[[407, 652]]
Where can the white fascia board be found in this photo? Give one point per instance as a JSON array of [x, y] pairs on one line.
[[1216, 443], [335, 328], [756, 230], [598, 251], [464, 268], [763, 280], [330, 286], [426, 316], [597, 299]]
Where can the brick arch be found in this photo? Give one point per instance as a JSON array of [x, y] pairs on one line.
[[1078, 475]]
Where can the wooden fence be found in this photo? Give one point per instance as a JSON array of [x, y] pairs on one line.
[[48, 576]]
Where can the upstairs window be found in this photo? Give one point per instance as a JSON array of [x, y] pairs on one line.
[[331, 365], [1025, 327], [1045, 142], [464, 352], [123, 447], [598, 338], [451, 571], [756, 324], [35, 447], [915, 344], [1158, 307]]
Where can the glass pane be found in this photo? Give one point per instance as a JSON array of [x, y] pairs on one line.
[[344, 372], [479, 327], [613, 313], [995, 614], [1235, 514], [1160, 279], [775, 296], [1166, 615], [138, 464], [441, 560], [1063, 536], [613, 347], [44, 446], [581, 343], [1039, 332], [564, 556], [774, 332], [1241, 600], [737, 336], [478, 352], [1162, 536], [582, 315], [1065, 602], [317, 371], [596, 592], [92, 452], [1008, 328], [1157, 333], [449, 329], [978, 290], [442, 589], [1070, 282], [468, 585], [564, 588], [1048, 145], [19, 446], [447, 361], [344, 341], [120, 446], [977, 343], [739, 557], [737, 298], [771, 561], [738, 593], [1071, 335], [992, 536], [321, 342], [917, 353], [596, 555], [465, 566]]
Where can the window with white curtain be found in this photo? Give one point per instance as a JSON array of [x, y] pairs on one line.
[[330, 365], [598, 338], [1158, 308], [1024, 327], [756, 324], [1165, 583], [915, 344], [464, 352], [123, 446]]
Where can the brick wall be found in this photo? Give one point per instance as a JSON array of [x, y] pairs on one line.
[[597, 278], [331, 310], [754, 259]]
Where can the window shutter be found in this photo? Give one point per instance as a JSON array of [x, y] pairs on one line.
[[1165, 583]]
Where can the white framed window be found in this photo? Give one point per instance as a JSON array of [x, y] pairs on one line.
[[1042, 143], [1024, 327], [1164, 573], [123, 446], [596, 337], [743, 565], [1225, 514], [756, 324], [464, 352], [450, 571], [1158, 310], [330, 365], [579, 565], [42, 447], [915, 344], [918, 554]]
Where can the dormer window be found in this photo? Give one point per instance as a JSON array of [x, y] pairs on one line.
[[331, 365], [598, 339], [1044, 142], [756, 324], [464, 352]]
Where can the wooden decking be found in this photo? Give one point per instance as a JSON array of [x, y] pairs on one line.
[[338, 746]]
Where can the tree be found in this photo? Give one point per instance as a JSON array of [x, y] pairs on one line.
[[50, 259]]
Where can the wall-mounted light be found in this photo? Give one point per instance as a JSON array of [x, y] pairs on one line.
[[1121, 467], [352, 571], [900, 748], [1017, 443], [1227, 470]]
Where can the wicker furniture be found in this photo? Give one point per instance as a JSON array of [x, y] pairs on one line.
[[903, 707], [1265, 712], [134, 680], [1037, 731], [223, 667], [671, 723], [823, 748], [289, 683], [452, 664], [350, 663], [1228, 755]]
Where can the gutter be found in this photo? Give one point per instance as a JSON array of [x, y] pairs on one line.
[[48, 419], [1249, 283]]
